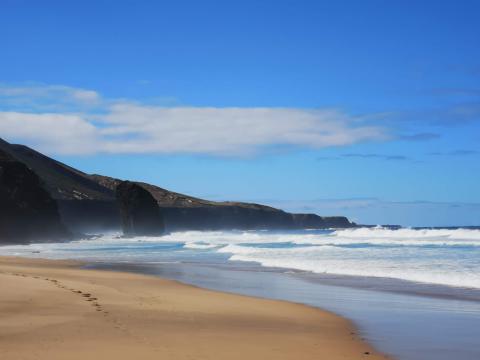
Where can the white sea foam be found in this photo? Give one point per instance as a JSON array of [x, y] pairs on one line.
[[406, 264], [199, 245], [409, 233], [439, 256]]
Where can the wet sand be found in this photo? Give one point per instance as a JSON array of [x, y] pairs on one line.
[[55, 310]]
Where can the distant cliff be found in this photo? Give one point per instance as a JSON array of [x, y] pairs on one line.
[[183, 212], [87, 202], [27, 211], [139, 211]]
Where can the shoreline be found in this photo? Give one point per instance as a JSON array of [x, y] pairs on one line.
[[65, 312], [405, 326]]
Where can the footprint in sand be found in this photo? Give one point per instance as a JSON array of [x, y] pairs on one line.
[[87, 296]]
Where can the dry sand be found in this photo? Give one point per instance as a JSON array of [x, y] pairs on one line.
[[55, 310]]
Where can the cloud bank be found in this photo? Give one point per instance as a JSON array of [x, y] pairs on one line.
[[131, 128]]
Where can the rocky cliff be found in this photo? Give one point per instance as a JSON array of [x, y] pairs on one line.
[[84, 204], [183, 212], [139, 211], [27, 211], [87, 202]]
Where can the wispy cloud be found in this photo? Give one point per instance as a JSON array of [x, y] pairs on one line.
[[366, 156], [461, 152], [127, 127], [420, 137], [453, 115], [38, 97], [375, 156]]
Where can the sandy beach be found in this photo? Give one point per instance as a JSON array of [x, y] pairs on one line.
[[55, 310]]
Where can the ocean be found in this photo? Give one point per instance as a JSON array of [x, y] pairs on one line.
[[414, 293], [433, 256]]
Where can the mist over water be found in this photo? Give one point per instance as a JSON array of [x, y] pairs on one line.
[[434, 256]]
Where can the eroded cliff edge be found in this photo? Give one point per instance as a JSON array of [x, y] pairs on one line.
[[140, 214], [87, 203], [27, 211]]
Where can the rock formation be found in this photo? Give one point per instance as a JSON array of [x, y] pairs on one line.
[[27, 211], [139, 211], [87, 203], [84, 205]]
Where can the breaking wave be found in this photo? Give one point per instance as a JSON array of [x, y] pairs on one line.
[[438, 256]]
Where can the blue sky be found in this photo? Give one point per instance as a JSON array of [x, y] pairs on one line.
[[365, 108]]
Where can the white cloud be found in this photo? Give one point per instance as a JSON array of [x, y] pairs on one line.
[[229, 131], [55, 97], [126, 127], [85, 96], [54, 133]]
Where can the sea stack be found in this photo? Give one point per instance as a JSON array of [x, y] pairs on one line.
[[139, 211], [27, 211]]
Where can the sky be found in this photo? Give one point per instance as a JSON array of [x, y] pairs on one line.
[[369, 109]]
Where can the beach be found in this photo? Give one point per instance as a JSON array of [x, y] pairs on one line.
[[56, 310], [405, 319]]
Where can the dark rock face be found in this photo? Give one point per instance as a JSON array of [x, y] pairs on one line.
[[84, 204], [87, 203], [139, 211], [313, 221], [90, 216], [240, 218], [27, 211], [183, 212]]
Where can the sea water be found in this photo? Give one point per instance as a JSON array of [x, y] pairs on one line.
[[432, 256], [414, 293]]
